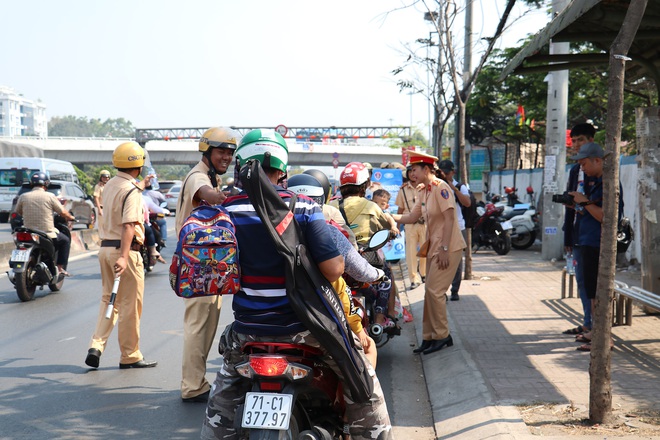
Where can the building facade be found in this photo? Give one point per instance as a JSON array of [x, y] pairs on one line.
[[20, 116]]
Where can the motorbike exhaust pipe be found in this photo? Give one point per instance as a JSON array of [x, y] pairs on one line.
[[12, 276], [376, 331]]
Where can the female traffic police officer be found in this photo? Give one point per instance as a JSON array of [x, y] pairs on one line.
[[443, 248], [122, 235]]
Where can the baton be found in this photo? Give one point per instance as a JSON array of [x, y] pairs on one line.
[[113, 295]]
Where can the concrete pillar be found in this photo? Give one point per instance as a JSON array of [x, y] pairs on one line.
[[648, 150], [554, 180]]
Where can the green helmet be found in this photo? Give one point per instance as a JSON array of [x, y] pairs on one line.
[[257, 143]]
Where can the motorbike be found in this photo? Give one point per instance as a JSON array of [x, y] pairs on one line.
[[526, 224], [33, 262], [492, 230], [160, 243], [367, 301], [293, 394]]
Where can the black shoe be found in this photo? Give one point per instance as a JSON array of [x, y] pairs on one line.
[[414, 286], [93, 357], [425, 344], [454, 296], [423, 279], [437, 344], [201, 398], [139, 364]]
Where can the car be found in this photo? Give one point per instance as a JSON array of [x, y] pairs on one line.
[[70, 195], [166, 185], [172, 197]]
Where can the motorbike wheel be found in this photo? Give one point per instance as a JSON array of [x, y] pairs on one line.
[[523, 241], [501, 243], [25, 288], [57, 286]]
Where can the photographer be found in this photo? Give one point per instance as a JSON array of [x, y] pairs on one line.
[[590, 157], [580, 134]]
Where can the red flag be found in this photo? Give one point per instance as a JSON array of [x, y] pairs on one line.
[[520, 115]]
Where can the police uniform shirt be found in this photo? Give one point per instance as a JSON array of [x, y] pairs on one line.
[[196, 178], [37, 207], [406, 198], [432, 202], [115, 192], [98, 191]]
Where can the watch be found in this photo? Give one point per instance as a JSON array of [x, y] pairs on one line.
[[444, 248]]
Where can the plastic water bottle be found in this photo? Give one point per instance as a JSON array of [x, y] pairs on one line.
[[154, 180], [570, 263]]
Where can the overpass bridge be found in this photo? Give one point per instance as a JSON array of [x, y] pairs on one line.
[[307, 146]]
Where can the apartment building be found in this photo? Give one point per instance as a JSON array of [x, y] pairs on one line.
[[20, 116]]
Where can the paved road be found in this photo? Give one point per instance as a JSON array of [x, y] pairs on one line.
[[46, 391]]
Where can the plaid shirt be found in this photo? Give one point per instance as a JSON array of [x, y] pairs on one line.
[[37, 207]]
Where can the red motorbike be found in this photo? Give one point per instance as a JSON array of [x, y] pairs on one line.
[[492, 230]]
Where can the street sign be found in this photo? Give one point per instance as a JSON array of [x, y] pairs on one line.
[[335, 155], [335, 163], [281, 129]]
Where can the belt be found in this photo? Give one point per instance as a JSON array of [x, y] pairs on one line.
[[117, 244]]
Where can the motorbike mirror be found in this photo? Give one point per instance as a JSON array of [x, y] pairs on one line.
[[379, 239], [163, 204]]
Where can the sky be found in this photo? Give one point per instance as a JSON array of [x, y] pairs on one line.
[[201, 63]]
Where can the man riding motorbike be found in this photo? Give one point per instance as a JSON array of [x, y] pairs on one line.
[[262, 310], [37, 208]]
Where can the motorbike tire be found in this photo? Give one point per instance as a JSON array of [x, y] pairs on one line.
[[523, 241], [25, 288], [501, 244], [57, 286]]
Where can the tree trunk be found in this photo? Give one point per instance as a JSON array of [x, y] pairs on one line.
[[600, 390], [460, 129]]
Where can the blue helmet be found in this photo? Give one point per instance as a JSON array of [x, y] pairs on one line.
[[39, 178]]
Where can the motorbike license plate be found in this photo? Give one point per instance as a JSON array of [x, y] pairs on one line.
[[20, 255], [267, 411], [507, 225]]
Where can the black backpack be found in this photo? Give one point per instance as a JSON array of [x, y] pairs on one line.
[[469, 212]]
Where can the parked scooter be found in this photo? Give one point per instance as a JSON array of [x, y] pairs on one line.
[[33, 262], [526, 223], [492, 230]]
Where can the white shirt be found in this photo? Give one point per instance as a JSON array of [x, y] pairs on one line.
[[459, 212]]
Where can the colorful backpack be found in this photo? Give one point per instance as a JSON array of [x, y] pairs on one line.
[[205, 262]]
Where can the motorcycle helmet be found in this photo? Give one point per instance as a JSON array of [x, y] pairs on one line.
[[104, 173], [323, 180], [509, 189], [265, 145], [355, 173], [39, 178], [128, 155], [217, 137], [307, 185]]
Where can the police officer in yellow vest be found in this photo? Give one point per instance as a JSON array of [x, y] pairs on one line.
[[443, 248], [122, 235]]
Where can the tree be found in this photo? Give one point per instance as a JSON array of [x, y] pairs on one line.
[[78, 126], [600, 389]]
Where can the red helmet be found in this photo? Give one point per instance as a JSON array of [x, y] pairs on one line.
[[355, 173], [509, 189]]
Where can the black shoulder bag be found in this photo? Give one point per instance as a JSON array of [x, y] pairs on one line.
[[310, 294]]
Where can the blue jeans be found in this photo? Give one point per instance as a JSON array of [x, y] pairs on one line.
[[579, 277]]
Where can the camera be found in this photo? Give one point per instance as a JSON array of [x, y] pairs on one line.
[[564, 198]]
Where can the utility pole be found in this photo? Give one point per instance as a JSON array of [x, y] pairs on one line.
[[555, 152]]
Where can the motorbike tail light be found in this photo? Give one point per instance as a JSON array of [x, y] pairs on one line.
[[269, 365], [27, 237]]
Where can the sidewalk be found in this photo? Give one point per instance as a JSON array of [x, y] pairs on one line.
[[509, 351]]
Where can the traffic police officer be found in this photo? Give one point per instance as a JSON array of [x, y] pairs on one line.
[[122, 236], [200, 319], [443, 248]]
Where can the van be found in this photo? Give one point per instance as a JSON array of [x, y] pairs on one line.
[[14, 171]]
